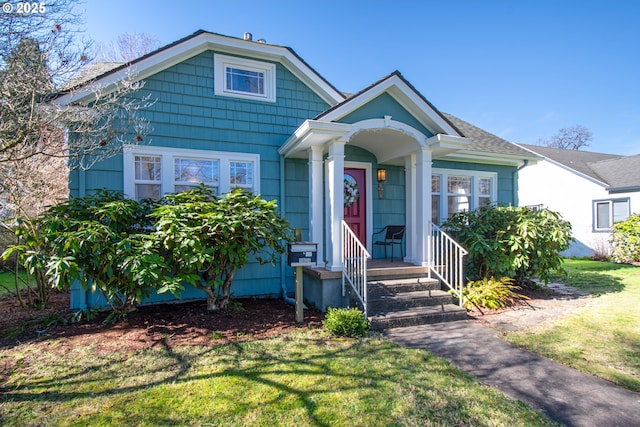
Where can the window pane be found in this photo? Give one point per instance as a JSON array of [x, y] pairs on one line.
[[620, 210], [435, 183], [458, 204], [241, 173], [196, 171], [459, 185], [147, 191], [245, 80], [602, 213], [435, 209], [483, 202], [484, 186], [147, 168]]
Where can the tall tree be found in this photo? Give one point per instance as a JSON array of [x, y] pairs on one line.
[[570, 138], [127, 47], [39, 53]]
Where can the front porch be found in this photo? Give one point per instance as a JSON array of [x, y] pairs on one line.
[[398, 294], [323, 287]]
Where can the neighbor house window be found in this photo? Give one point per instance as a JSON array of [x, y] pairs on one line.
[[151, 172], [457, 190], [244, 78], [608, 212]]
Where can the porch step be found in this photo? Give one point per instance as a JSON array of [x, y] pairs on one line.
[[405, 300], [396, 286], [418, 316], [410, 301]]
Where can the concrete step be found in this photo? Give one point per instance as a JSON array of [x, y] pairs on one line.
[[417, 316], [396, 286], [406, 300]]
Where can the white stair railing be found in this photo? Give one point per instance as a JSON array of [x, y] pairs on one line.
[[354, 265], [447, 260]]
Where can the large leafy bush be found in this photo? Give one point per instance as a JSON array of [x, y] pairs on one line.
[[206, 240], [626, 240], [127, 249], [515, 242], [101, 241]]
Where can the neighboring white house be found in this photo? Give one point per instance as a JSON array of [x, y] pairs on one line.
[[590, 190]]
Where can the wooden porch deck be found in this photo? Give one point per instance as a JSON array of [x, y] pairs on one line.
[[376, 268]]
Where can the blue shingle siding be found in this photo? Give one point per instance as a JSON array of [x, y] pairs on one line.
[[187, 114], [385, 105]]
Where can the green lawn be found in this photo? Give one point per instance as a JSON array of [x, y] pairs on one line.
[[603, 338], [7, 282], [301, 379]]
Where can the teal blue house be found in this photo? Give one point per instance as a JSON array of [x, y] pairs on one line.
[[237, 112]]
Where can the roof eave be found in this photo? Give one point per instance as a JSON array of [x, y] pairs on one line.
[[199, 42], [474, 156], [312, 133]]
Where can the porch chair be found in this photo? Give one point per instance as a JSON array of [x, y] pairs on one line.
[[393, 235]]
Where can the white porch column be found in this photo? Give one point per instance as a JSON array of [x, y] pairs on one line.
[[423, 206], [410, 208], [335, 204], [316, 201]]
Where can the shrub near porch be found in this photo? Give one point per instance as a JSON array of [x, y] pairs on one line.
[[514, 242]]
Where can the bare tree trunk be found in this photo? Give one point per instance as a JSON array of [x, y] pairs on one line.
[[215, 302], [212, 299]]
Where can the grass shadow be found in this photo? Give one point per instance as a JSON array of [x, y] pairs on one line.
[[594, 278]]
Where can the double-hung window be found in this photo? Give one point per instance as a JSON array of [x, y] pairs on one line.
[[608, 212], [151, 172], [147, 176], [459, 190], [244, 78]]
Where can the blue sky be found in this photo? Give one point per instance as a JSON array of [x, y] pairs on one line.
[[519, 69]]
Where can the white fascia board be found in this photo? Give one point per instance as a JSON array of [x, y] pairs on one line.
[[469, 156], [578, 173], [405, 96], [310, 133], [175, 54], [565, 167]]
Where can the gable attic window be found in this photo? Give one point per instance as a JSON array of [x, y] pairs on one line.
[[244, 78]]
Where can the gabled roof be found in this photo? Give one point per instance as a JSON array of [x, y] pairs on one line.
[[486, 142], [404, 93], [195, 44], [613, 170], [621, 174]]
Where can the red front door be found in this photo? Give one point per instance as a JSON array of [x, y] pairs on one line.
[[355, 206]]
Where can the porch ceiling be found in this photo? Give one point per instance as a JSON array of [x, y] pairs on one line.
[[388, 145]]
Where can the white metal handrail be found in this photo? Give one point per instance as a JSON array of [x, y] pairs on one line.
[[354, 265], [447, 259]]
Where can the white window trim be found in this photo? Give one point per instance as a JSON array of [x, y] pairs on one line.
[[443, 215], [169, 154], [610, 202], [222, 62]]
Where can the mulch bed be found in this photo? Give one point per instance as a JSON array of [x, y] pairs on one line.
[[166, 324]]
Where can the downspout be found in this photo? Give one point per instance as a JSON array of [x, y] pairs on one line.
[[283, 257], [515, 181]]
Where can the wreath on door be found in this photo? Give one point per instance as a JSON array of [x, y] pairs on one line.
[[351, 192]]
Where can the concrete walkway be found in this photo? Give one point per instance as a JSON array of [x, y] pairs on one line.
[[563, 394]]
